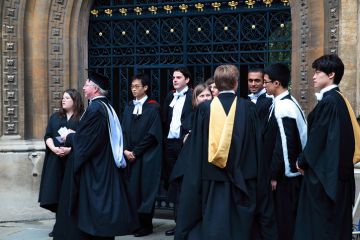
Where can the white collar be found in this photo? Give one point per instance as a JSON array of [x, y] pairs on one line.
[[257, 94], [227, 91], [320, 94], [281, 95], [141, 100]]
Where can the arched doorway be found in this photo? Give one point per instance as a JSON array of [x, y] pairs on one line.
[[126, 37]]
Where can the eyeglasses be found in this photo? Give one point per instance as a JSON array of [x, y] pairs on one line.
[[266, 82], [135, 86]]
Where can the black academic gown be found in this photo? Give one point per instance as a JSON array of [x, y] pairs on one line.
[[65, 227], [103, 205], [263, 104], [143, 136], [265, 224], [220, 203], [286, 195], [327, 191], [182, 161], [54, 166]]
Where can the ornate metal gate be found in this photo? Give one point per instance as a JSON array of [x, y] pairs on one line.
[[155, 36]]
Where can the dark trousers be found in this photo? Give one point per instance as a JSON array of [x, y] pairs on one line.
[[172, 151], [286, 199]]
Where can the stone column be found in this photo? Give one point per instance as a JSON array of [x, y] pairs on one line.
[[307, 44], [36, 62], [11, 79], [349, 51]]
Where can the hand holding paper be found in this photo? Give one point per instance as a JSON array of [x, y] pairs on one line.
[[63, 131]]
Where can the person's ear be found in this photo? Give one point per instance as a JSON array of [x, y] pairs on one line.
[[145, 88], [331, 75]]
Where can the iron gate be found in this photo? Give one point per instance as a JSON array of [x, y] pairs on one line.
[[154, 36]]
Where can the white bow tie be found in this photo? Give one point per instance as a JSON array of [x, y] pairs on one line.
[[177, 95], [138, 107], [253, 96]]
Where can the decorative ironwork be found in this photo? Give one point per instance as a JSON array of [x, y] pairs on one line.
[[152, 9], [108, 12], [286, 2], [155, 7], [244, 36], [268, 3], [233, 4], [95, 12], [138, 10], [183, 7], [168, 8], [216, 6], [123, 11], [250, 3], [199, 7]]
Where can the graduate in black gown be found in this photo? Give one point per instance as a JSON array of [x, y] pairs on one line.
[[265, 217], [177, 106], [142, 130], [258, 93], [328, 188], [56, 155], [218, 198], [201, 93], [102, 207], [284, 137]]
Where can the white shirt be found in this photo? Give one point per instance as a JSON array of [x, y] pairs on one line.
[[320, 94], [138, 105], [254, 96], [177, 104]]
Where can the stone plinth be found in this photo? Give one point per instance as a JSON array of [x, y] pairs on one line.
[[20, 172]]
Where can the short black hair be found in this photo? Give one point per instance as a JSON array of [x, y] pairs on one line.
[[144, 79], [184, 71], [328, 64], [279, 72], [260, 70]]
